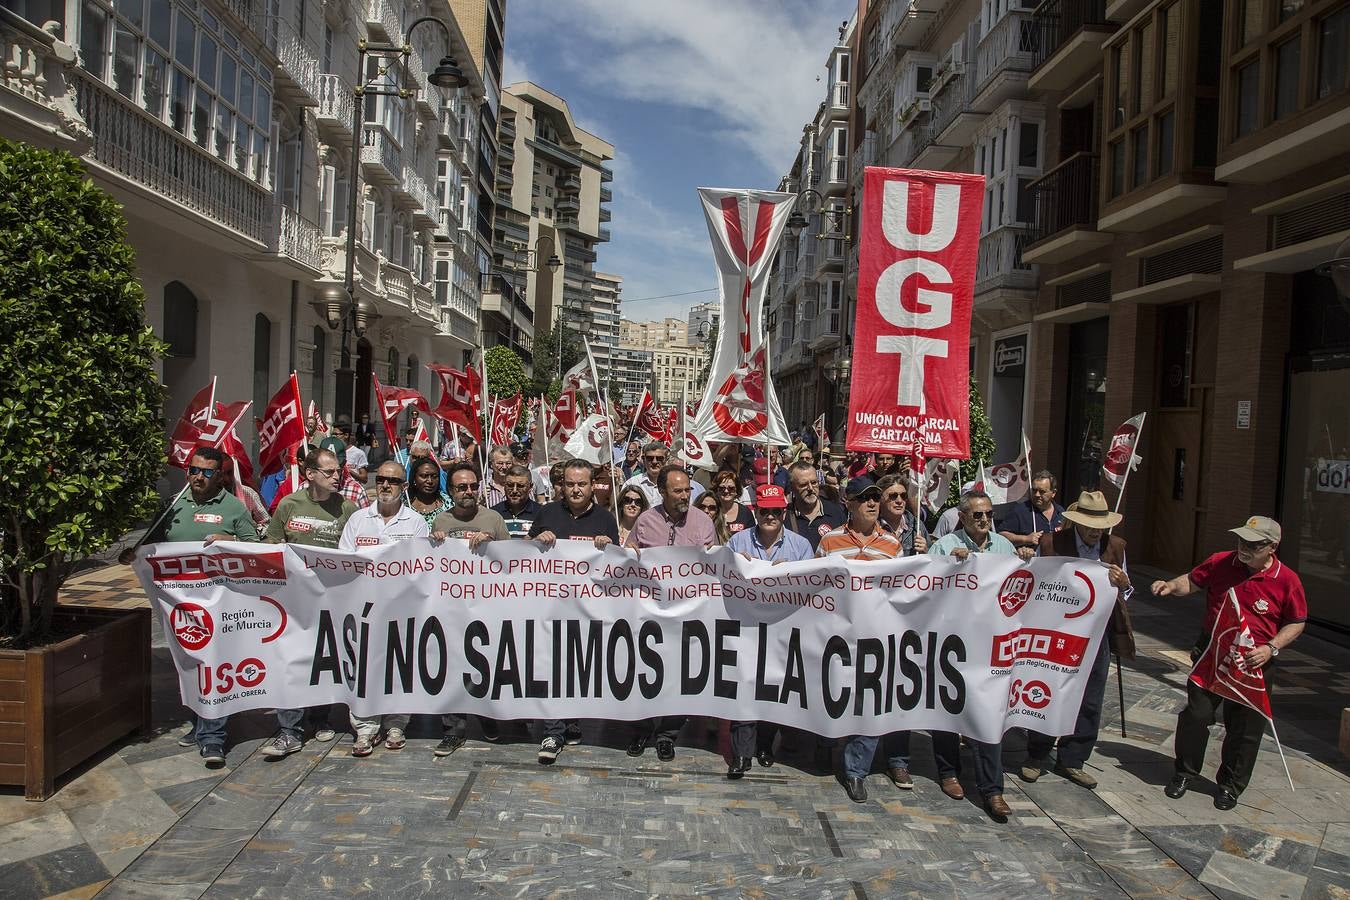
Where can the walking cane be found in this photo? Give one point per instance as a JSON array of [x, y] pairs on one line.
[[1120, 688]]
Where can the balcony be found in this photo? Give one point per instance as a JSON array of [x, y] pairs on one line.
[[424, 301], [296, 239], [334, 114], [1068, 43], [297, 71], [605, 215], [1066, 212], [602, 235], [424, 203], [606, 195], [825, 331], [568, 222], [796, 355], [557, 151], [1000, 265], [396, 284], [575, 250], [382, 21], [606, 174], [381, 157], [570, 182], [952, 126], [506, 153], [567, 203], [129, 141], [1004, 59]]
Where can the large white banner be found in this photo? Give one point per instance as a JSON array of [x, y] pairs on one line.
[[518, 632], [739, 404]]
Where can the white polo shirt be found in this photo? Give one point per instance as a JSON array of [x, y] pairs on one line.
[[367, 528]]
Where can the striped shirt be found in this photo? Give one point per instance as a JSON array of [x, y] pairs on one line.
[[845, 543]]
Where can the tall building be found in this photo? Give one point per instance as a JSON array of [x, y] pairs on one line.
[[552, 194], [676, 374], [704, 320], [668, 332], [226, 133], [632, 369], [600, 321]]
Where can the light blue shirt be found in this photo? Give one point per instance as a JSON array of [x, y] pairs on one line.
[[997, 543], [790, 546]]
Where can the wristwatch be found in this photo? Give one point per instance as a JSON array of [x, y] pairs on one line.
[[1274, 651]]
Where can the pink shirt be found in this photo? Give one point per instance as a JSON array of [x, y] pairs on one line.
[[655, 528]]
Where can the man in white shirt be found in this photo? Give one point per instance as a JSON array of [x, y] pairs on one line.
[[385, 521], [653, 460]]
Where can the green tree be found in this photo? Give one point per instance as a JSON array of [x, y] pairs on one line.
[[981, 445], [547, 379], [505, 372], [81, 428]]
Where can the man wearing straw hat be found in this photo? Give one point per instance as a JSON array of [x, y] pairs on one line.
[[1270, 596], [1088, 538]]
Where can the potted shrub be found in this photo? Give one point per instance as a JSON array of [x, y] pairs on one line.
[[81, 446]]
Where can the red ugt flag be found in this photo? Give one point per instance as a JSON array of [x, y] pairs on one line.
[[650, 420], [282, 426], [1120, 457], [461, 399], [1222, 670]]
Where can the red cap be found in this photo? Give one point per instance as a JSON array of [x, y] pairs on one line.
[[761, 466], [770, 496]]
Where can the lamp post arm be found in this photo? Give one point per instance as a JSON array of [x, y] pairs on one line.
[[407, 33]]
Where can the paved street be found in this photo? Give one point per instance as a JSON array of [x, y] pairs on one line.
[[148, 821]]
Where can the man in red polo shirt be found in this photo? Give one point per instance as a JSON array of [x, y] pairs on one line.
[[1275, 608]]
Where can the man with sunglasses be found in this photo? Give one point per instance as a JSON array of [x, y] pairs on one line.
[[206, 513], [769, 541], [466, 520], [576, 517], [387, 521], [1275, 609], [315, 517], [976, 535], [654, 457]]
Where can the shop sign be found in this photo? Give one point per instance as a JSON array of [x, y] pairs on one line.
[[1333, 476]]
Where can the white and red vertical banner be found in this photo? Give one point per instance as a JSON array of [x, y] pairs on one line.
[[916, 282], [505, 415], [740, 403]]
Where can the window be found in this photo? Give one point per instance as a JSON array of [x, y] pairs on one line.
[[1028, 145], [1248, 98], [1333, 53], [1253, 23], [1139, 155], [1166, 128], [1117, 153], [393, 365], [1287, 65]]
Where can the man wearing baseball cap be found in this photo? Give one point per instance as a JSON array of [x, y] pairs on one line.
[[347, 485], [769, 541], [1274, 608]]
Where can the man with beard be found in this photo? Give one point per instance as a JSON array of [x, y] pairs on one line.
[[386, 521], [809, 515], [576, 517]]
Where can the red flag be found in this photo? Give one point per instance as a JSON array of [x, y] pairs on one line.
[[1120, 458], [504, 418], [230, 443], [461, 399], [392, 401], [920, 237], [312, 412], [565, 411], [651, 421], [283, 425], [1223, 670], [821, 435], [187, 434]]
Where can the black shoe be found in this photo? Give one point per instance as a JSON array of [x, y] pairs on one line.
[[638, 745], [766, 758], [491, 733], [572, 736], [739, 766], [449, 744], [665, 749], [857, 789], [213, 756], [1225, 799], [1176, 788]]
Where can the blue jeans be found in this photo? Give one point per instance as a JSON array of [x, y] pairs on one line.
[[210, 732], [860, 749], [292, 721]]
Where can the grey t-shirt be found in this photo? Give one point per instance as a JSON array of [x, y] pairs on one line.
[[484, 520]]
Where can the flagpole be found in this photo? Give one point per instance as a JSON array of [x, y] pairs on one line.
[[155, 524], [1120, 689], [1280, 748]]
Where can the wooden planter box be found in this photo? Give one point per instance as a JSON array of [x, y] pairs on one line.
[[61, 704]]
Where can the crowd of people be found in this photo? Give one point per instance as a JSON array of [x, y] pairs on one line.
[[799, 504]]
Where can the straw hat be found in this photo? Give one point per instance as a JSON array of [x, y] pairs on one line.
[[1092, 511]]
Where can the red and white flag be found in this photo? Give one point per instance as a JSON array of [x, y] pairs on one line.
[[233, 447], [187, 434], [1120, 458], [591, 440], [938, 475], [740, 403], [505, 415], [394, 400], [461, 399], [1222, 669], [580, 378], [312, 412], [651, 420], [694, 447], [1011, 481], [283, 425], [916, 284], [821, 435]]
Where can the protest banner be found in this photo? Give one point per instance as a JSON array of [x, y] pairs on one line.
[[517, 632]]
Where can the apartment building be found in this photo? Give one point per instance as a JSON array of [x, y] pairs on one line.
[[226, 133], [552, 200], [668, 332], [676, 374], [632, 369], [599, 321], [807, 316], [704, 320]]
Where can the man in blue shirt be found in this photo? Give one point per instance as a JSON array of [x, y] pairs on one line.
[[1038, 515], [770, 541]]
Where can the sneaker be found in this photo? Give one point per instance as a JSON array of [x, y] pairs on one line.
[[1031, 770], [449, 744], [213, 757], [665, 749], [572, 736], [282, 745], [189, 738], [491, 732], [324, 734], [900, 778], [549, 750], [1077, 776], [395, 740], [363, 746]]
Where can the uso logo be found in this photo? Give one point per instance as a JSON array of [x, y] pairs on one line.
[[1015, 591], [268, 566], [1031, 694], [224, 678], [192, 626]]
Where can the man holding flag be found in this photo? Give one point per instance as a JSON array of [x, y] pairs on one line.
[[1254, 608]]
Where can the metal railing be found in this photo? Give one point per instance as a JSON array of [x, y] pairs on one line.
[[1000, 256], [295, 237], [379, 149], [296, 57], [1066, 196], [335, 101], [383, 14], [1010, 45], [133, 143], [839, 94], [1058, 20]]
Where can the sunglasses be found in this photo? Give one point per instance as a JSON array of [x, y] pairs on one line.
[[868, 497], [654, 459], [896, 495], [388, 479], [461, 488], [981, 516], [1253, 546], [205, 473], [631, 501], [328, 472]]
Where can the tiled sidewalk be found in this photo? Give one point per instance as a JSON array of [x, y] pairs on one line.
[[488, 820]]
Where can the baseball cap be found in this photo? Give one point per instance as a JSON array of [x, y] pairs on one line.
[[770, 496], [862, 484], [1258, 528], [336, 446]]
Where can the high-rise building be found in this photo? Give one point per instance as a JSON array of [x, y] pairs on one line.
[[225, 130], [668, 332], [633, 371], [552, 196], [676, 374], [704, 320], [600, 321]]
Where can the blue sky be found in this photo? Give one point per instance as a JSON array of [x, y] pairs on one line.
[[692, 93]]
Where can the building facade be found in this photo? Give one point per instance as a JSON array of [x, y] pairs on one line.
[[704, 321], [668, 332], [676, 374], [632, 369], [227, 136]]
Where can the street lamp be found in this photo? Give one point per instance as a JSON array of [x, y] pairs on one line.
[[1338, 270], [342, 308], [835, 220]]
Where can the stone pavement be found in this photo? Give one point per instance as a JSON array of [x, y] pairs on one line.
[[146, 820]]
